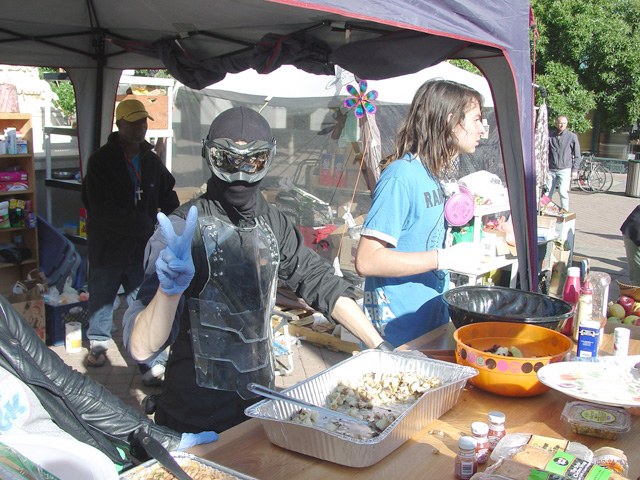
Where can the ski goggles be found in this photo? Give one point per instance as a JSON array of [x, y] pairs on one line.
[[233, 162]]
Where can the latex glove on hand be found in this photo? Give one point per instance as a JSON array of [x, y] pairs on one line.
[[189, 440], [460, 256], [174, 265]]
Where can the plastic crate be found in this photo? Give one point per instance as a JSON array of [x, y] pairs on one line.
[[57, 316]]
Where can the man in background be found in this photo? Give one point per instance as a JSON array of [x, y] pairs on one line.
[[564, 160], [125, 186]]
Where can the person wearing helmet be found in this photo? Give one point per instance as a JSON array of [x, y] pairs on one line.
[[212, 272]]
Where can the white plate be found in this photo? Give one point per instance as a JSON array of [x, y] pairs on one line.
[[66, 459], [604, 383]]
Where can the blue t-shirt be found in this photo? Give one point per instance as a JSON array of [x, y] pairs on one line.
[[407, 212]]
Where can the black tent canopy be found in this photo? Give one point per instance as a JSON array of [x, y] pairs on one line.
[[199, 41]]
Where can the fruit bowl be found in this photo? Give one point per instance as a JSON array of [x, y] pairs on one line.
[[477, 303], [506, 375]]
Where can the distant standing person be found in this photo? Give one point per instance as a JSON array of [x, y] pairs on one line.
[[564, 160], [125, 186]]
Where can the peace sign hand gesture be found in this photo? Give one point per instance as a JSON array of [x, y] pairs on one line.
[[174, 265]]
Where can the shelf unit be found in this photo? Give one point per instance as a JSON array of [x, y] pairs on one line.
[[10, 273]]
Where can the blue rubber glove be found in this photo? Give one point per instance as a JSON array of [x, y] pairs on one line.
[[174, 265], [189, 440]]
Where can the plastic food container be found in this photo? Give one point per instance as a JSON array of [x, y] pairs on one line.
[[596, 420]]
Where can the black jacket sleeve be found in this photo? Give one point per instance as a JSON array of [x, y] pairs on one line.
[[76, 403]]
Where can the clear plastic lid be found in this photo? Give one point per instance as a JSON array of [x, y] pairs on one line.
[[597, 417]]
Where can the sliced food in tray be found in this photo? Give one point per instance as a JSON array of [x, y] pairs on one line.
[[196, 467]]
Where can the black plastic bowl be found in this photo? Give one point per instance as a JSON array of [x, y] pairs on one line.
[[476, 303]]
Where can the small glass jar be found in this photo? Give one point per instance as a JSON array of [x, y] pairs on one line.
[[480, 430], [466, 464], [496, 428]]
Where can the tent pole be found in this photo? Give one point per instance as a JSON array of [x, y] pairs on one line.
[[99, 40]]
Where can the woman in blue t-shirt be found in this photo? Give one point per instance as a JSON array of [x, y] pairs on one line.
[[401, 248]]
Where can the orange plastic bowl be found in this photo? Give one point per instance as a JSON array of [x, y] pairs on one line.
[[509, 376]]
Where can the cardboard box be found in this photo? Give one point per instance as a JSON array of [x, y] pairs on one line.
[[497, 238], [348, 253], [349, 246], [560, 261], [30, 306], [611, 326], [546, 221]]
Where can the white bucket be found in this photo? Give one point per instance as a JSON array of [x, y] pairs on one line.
[[73, 337]]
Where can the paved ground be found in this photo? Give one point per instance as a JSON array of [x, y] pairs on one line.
[[598, 221]]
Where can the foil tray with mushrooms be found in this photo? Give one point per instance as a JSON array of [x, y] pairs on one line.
[[351, 445]]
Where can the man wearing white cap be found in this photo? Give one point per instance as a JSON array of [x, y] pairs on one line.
[[125, 185]]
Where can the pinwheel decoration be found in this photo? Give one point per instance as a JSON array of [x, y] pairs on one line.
[[361, 100]]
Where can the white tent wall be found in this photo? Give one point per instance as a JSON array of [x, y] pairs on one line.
[[302, 110]]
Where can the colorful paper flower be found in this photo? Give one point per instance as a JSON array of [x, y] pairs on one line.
[[361, 100]]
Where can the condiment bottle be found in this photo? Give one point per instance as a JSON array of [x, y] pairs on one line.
[[496, 428], [571, 294], [585, 307], [480, 430], [466, 464]]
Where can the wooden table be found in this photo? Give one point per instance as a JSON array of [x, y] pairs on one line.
[[427, 455]]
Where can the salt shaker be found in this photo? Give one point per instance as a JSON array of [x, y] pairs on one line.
[[621, 337]]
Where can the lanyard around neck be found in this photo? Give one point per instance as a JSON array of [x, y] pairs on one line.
[[132, 166]]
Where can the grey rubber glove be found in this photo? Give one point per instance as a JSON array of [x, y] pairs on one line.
[[174, 265], [461, 256]]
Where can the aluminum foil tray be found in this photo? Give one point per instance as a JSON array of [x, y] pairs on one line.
[[346, 449], [144, 470]]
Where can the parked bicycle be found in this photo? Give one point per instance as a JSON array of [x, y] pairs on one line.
[[593, 176]]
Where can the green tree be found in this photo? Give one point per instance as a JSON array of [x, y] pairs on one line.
[[66, 100], [566, 96], [599, 42]]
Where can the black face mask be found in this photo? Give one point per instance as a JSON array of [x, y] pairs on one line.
[[237, 198]]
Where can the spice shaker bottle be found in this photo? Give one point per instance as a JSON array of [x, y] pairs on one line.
[[466, 464], [496, 428], [480, 430]]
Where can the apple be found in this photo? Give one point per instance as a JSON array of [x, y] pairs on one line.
[[614, 319], [637, 323], [630, 319], [627, 303], [616, 310]]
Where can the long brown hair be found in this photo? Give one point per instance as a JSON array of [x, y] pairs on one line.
[[425, 131]]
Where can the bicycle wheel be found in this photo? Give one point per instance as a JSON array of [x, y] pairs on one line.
[[600, 179], [583, 179]]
